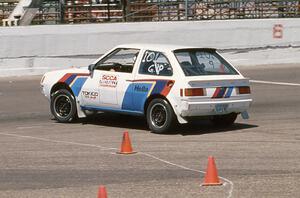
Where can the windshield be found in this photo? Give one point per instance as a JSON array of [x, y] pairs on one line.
[[198, 62]]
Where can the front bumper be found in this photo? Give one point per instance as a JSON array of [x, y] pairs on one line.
[[45, 91], [189, 109]]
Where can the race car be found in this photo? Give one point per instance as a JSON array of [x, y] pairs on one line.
[[166, 84]]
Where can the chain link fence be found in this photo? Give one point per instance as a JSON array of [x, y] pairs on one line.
[[100, 11]]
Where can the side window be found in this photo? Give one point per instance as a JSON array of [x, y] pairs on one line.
[[185, 61], [155, 63], [120, 60]]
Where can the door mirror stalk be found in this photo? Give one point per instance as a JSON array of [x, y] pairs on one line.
[[91, 69]]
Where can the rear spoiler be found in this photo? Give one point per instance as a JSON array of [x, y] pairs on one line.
[[220, 83]]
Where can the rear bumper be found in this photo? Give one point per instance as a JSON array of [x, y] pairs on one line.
[[206, 108]]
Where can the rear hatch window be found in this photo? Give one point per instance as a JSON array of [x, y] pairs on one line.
[[199, 62]]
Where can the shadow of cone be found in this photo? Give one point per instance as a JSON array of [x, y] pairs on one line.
[[126, 147], [211, 176], [102, 192]]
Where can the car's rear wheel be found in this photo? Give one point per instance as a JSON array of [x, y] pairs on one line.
[[160, 116], [63, 106], [224, 120]]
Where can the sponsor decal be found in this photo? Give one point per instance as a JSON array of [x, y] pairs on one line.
[[109, 81], [137, 92], [90, 94], [142, 88]]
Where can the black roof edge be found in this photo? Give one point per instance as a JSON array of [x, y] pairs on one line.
[[196, 48]]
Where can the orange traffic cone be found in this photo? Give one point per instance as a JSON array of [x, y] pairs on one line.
[[126, 145], [102, 192], [211, 175]]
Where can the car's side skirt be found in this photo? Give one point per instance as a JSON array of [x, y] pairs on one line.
[[109, 109]]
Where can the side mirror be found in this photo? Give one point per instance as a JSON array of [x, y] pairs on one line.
[[91, 68]]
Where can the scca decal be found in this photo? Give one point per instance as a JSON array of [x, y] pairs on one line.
[[109, 77], [109, 81]]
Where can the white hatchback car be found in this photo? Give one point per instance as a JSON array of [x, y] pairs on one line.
[[164, 83]]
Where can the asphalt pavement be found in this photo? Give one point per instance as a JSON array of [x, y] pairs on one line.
[[258, 157]]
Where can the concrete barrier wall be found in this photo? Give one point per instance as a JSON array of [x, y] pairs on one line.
[[25, 47]]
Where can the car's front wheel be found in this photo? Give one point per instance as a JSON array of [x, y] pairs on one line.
[[160, 116], [63, 106], [224, 120]]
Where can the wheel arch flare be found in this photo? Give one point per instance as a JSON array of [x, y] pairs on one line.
[[73, 82]]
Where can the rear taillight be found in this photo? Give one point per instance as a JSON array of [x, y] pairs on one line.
[[193, 92], [244, 90]]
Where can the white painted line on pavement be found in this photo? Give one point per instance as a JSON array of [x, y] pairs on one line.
[[274, 83], [190, 169], [36, 125], [28, 127], [58, 141], [107, 148]]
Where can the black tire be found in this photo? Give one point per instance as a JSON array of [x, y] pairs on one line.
[[224, 120], [160, 116], [63, 106]]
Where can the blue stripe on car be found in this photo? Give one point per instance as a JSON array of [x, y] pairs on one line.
[[138, 92], [135, 96], [70, 79], [76, 87], [229, 91]]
